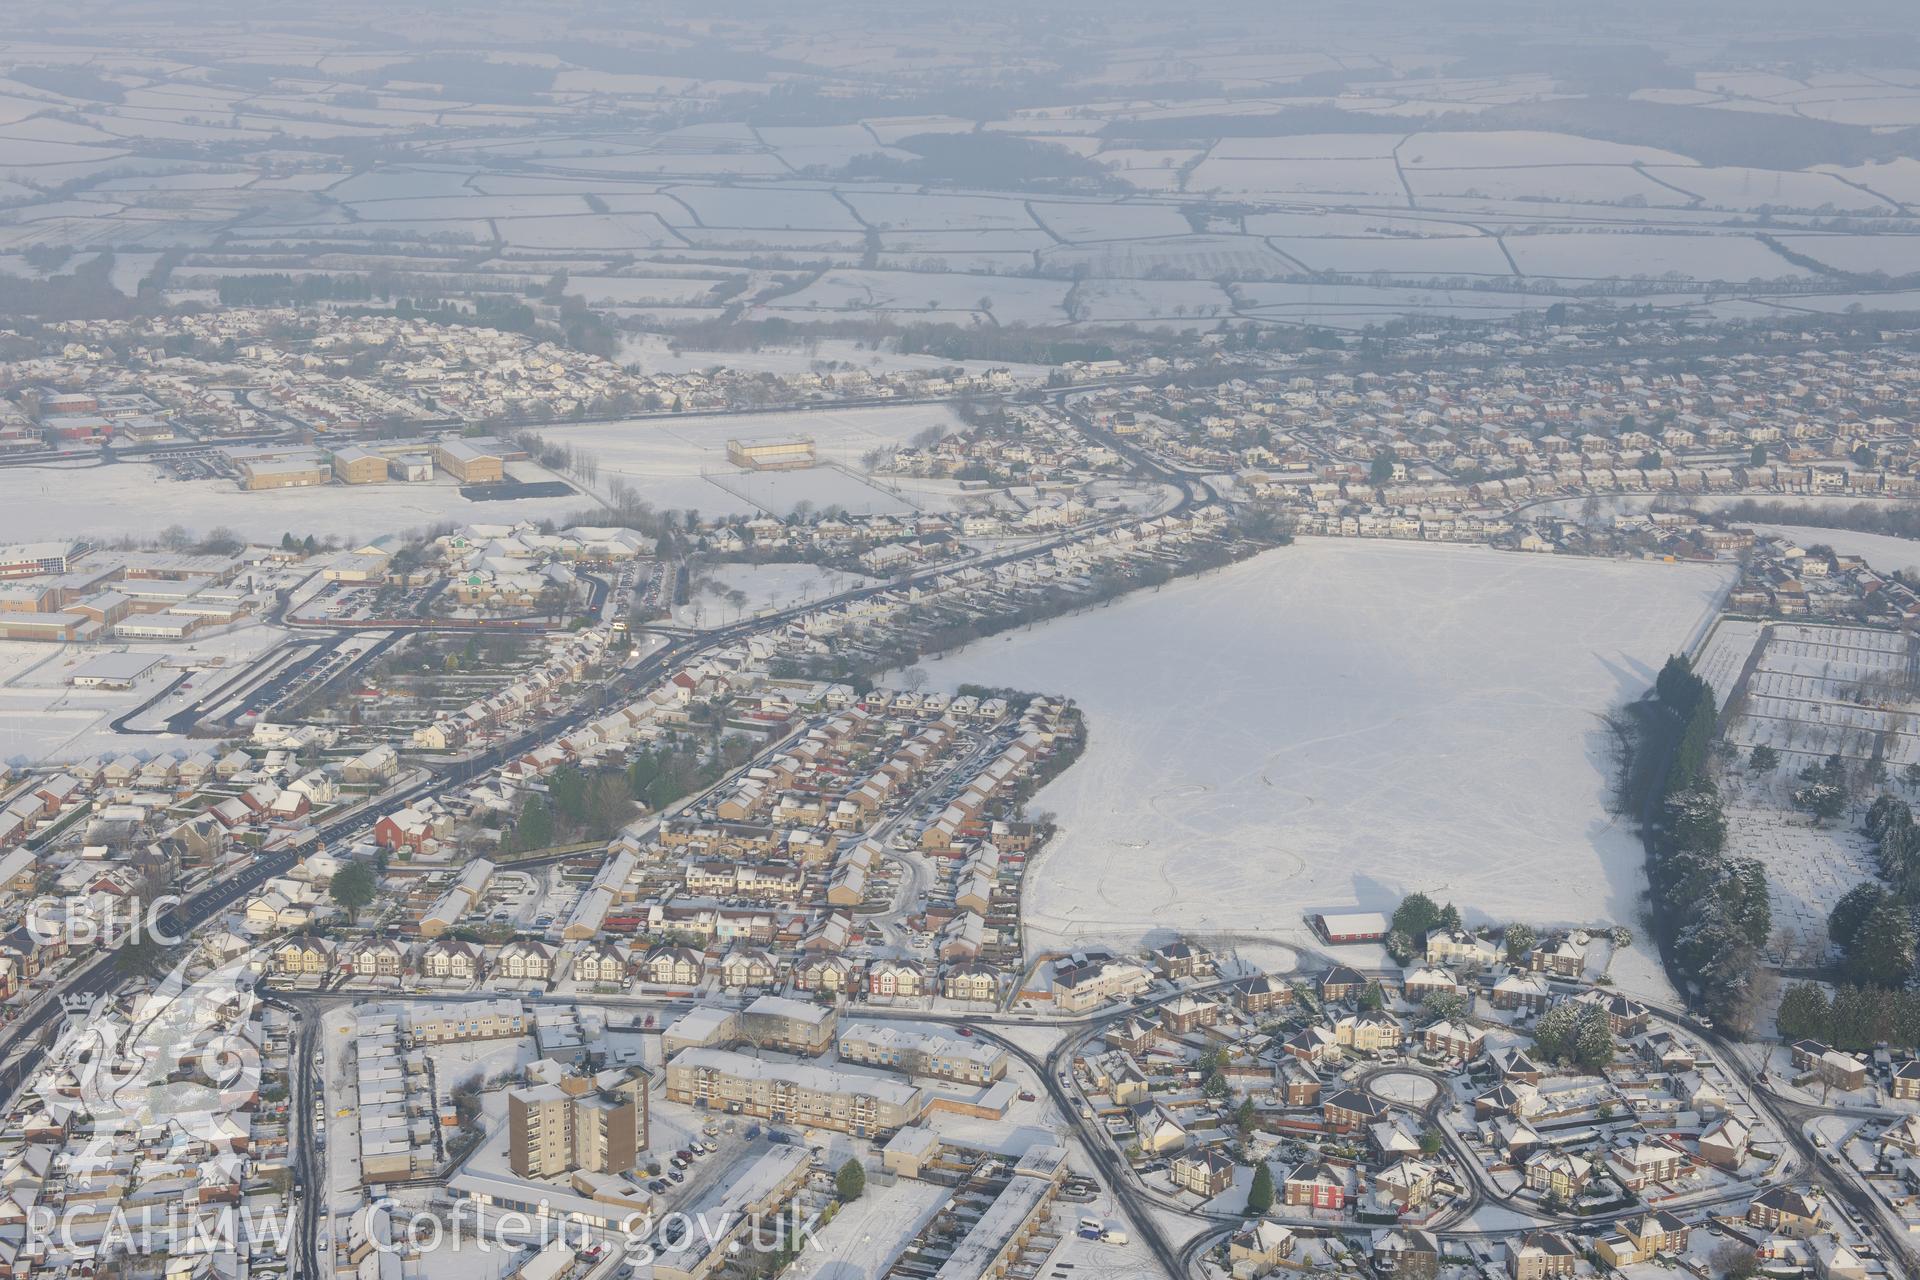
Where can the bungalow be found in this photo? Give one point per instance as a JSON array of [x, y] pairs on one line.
[[1342, 928], [1833, 1260], [289, 806], [232, 812]]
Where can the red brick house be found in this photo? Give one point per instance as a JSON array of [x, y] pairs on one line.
[[1316, 1185]]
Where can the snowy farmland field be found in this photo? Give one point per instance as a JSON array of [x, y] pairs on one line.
[[1432, 714], [1895, 255], [1742, 188], [1601, 184], [1600, 255], [1013, 300], [1369, 177], [1110, 222], [1425, 258], [1522, 148], [1355, 306], [903, 211]]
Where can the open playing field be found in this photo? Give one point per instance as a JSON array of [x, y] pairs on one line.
[[1340, 723]]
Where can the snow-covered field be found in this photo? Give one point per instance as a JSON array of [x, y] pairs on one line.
[[134, 500], [1430, 256], [1339, 723], [681, 462], [1883, 552], [1601, 255]]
